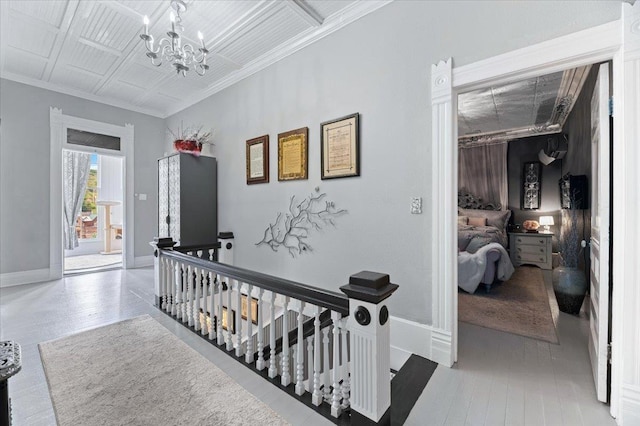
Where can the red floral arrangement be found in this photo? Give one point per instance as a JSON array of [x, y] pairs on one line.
[[190, 140]]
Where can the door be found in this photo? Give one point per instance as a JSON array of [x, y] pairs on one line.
[[600, 233]]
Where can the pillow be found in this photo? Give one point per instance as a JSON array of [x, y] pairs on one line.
[[495, 218], [478, 221], [463, 220], [477, 243], [463, 241]]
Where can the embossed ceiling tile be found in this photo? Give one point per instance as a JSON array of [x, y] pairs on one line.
[[327, 8], [106, 26], [274, 28], [123, 92], [76, 79], [48, 11], [214, 17], [26, 35], [142, 74], [90, 58], [143, 7], [20, 63]]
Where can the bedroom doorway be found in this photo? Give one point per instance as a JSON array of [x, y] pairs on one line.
[[569, 138]]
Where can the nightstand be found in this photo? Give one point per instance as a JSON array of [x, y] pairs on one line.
[[530, 249]]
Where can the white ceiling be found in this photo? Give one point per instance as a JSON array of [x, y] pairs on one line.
[[539, 105], [92, 48]]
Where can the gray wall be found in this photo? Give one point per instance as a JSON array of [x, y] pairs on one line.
[[378, 66], [24, 167]]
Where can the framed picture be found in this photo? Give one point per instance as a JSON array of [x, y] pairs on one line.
[[254, 309], [258, 160], [293, 154], [226, 325], [340, 147], [531, 177]]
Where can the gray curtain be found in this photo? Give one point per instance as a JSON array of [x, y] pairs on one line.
[[75, 173], [482, 171]]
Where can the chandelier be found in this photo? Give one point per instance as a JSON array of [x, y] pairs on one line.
[[171, 49]]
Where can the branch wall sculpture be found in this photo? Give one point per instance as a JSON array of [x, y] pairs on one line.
[[291, 229]]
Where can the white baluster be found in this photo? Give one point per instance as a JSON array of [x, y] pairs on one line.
[[248, 355], [212, 305], [346, 381], [336, 409], [316, 398], [220, 336], [273, 370], [169, 276], [197, 280], [326, 377], [179, 283], [310, 364], [285, 378], [229, 316], [238, 329], [300, 353], [163, 282], [186, 294], [260, 361]]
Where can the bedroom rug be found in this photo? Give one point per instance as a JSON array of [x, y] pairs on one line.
[[519, 305], [135, 372]]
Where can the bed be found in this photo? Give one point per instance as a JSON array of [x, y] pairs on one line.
[[482, 242]]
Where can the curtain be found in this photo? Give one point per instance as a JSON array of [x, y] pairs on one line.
[[75, 173], [482, 171]]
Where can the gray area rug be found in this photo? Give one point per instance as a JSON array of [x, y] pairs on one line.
[[135, 372], [519, 305]]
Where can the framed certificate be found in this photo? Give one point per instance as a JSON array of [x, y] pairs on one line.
[[228, 323], [254, 309], [340, 147], [258, 160], [293, 154]]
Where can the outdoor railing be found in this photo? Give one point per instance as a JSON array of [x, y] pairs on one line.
[[300, 335]]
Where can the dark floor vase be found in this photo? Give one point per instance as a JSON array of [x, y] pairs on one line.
[[570, 286]]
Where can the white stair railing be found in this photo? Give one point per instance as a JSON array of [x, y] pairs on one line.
[[301, 333]]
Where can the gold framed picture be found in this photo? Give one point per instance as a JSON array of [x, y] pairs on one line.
[[340, 147], [293, 156], [226, 325], [258, 160], [254, 309]]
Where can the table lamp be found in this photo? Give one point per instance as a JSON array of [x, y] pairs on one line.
[[546, 221]]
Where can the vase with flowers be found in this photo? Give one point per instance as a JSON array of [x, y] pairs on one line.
[[191, 139], [569, 282]]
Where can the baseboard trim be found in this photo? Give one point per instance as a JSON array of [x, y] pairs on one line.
[[143, 261], [630, 405], [410, 337], [11, 279]]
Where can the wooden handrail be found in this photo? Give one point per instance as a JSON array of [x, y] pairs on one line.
[[316, 296]]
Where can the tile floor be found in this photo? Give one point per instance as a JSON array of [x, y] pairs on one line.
[[500, 379]]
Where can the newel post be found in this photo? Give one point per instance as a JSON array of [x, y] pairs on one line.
[[225, 254], [370, 347], [157, 244]]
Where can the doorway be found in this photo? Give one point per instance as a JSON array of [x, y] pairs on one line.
[[93, 206]]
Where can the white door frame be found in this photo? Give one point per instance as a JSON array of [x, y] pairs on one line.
[[59, 124], [618, 41]]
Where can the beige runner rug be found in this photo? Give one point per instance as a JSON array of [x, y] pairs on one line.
[[135, 372], [519, 305]]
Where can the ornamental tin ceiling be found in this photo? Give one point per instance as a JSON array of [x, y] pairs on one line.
[[530, 107], [92, 48]]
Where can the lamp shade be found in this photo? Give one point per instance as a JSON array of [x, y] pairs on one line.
[[546, 220]]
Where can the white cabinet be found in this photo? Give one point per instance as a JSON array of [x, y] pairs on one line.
[[531, 249], [187, 199]]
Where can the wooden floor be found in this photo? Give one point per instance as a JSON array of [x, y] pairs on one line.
[[500, 379]]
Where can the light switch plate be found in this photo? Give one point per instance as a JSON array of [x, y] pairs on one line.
[[416, 205]]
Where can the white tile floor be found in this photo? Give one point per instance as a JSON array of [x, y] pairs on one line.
[[500, 379]]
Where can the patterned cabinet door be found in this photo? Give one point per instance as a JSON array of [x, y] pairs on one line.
[[163, 197], [174, 197]]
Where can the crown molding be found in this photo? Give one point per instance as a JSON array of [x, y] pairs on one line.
[[80, 94], [331, 24]]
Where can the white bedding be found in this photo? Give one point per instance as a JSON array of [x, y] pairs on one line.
[[471, 267]]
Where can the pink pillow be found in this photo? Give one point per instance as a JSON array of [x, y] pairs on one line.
[[478, 221]]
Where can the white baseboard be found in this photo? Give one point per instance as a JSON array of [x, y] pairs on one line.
[[24, 277], [630, 405], [143, 261], [410, 337]]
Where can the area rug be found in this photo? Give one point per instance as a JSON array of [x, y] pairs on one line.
[[135, 372], [74, 263], [519, 305]]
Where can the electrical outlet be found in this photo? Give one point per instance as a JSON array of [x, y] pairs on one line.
[[416, 205]]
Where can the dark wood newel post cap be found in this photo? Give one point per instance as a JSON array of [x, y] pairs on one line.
[[225, 235], [163, 242], [369, 286]]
